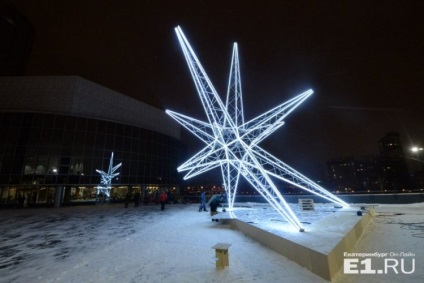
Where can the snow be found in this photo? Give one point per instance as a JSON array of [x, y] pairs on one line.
[[108, 243]]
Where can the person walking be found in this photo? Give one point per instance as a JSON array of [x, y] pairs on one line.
[[127, 199], [202, 202], [136, 199], [162, 198]]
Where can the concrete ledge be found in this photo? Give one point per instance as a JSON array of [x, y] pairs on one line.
[[322, 250]]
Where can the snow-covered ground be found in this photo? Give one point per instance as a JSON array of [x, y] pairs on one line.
[[108, 243]]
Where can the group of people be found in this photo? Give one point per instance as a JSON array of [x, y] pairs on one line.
[[136, 199], [163, 197], [214, 204]]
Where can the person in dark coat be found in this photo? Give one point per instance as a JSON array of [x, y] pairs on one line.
[[214, 204], [21, 200], [162, 198], [127, 199], [136, 199], [202, 202]]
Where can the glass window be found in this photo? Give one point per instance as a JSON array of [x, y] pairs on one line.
[[132, 179], [15, 179], [5, 122], [91, 125], [101, 127], [71, 122], [77, 152], [85, 179], [127, 144], [20, 150], [90, 139], [68, 138], [50, 179], [57, 137], [134, 145], [133, 168], [40, 169], [49, 122], [119, 143], [66, 151], [77, 167], [111, 128], [13, 136], [121, 180], [59, 122], [42, 164], [88, 152], [98, 165], [136, 133], [45, 137], [117, 157], [100, 141], [120, 129], [18, 164], [55, 151], [128, 130], [33, 120], [53, 164], [95, 179], [143, 134], [16, 119], [30, 164], [29, 118], [110, 142], [81, 124], [79, 138], [86, 166], [98, 154], [64, 170], [126, 156]]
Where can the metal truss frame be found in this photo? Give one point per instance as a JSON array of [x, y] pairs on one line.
[[232, 144], [106, 177]]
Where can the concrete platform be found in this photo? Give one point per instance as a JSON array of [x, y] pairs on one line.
[[320, 249]]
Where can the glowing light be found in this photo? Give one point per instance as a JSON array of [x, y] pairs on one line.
[[232, 143], [106, 178], [416, 149]]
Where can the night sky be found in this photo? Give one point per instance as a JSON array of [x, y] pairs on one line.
[[363, 59]]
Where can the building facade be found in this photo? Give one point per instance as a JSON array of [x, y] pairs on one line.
[[383, 172], [56, 131], [394, 174]]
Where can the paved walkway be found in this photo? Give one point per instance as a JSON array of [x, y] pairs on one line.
[[107, 243]]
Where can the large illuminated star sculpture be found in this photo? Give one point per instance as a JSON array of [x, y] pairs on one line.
[[232, 143], [106, 177]]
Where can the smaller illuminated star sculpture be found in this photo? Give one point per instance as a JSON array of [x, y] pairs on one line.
[[232, 143], [106, 178]]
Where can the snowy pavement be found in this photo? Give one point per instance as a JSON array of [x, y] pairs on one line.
[[108, 243]]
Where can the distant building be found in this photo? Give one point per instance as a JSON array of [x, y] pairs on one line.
[[393, 173], [353, 174], [56, 131], [384, 172], [367, 173]]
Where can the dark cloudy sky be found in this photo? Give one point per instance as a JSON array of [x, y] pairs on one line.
[[363, 59]]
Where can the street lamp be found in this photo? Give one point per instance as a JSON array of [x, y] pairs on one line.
[[418, 150]]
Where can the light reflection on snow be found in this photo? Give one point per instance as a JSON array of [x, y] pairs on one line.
[[267, 218]]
